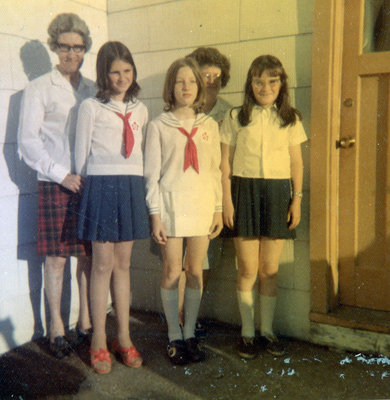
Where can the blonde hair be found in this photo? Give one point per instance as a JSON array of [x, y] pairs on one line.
[[170, 81], [68, 22]]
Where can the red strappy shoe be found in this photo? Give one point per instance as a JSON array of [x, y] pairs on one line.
[[130, 355], [101, 356]]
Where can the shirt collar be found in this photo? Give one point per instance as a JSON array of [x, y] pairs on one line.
[[58, 79]]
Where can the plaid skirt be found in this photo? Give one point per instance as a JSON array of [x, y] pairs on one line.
[[261, 208], [57, 222]]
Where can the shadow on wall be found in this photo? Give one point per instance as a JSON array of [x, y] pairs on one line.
[[36, 62]]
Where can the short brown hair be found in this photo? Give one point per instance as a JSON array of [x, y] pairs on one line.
[[64, 23], [211, 56], [170, 81]]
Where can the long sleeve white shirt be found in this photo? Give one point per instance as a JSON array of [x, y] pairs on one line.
[[48, 122], [99, 138]]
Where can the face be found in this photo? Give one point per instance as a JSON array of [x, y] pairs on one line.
[[186, 88], [212, 79], [70, 50], [266, 89], [121, 77]]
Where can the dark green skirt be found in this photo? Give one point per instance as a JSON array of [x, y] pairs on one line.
[[261, 207]]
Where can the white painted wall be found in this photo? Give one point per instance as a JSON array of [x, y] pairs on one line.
[[158, 32], [25, 55]]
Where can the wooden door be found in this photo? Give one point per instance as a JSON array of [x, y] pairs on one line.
[[364, 173]]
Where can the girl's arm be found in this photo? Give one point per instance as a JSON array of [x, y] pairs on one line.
[[83, 141], [152, 174], [296, 165], [226, 168], [217, 224]]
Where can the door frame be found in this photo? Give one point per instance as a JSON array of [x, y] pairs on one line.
[[325, 130]]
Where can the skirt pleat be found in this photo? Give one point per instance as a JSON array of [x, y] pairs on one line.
[[113, 209], [261, 207]]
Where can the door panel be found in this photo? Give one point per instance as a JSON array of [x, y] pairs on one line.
[[364, 190]]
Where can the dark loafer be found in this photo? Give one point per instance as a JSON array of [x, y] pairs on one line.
[[195, 353], [177, 352], [60, 348], [246, 347]]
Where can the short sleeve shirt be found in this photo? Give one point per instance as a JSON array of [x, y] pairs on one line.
[[261, 147]]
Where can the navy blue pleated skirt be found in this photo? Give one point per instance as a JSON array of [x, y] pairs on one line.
[[113, 209], [261, 207]]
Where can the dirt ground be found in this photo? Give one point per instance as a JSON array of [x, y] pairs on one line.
[[305, 372]]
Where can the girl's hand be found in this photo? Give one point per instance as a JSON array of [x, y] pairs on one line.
[[228, 214], [216, 226], [72, 182], [158, 230], [294, 213]]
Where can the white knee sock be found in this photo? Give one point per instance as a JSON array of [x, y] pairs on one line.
[[170, 301], [267, 312], [247, 312], [192, 298]]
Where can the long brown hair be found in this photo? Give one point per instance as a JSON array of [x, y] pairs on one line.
[[108, 53], [288, 114]]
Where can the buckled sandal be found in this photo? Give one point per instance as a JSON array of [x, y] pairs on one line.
[[130, 355], [100, 360]]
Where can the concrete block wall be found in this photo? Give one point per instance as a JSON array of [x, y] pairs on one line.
[[25, 55], [160, 31]]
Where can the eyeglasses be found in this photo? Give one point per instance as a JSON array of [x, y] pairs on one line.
[[260, 83], [214, 77], [65, 48]]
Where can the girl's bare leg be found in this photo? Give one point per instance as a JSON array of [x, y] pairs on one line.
[[102, 267], [247, 251], [270, 253], [83, 279], [121, 290], [172, 254], [196, 254]]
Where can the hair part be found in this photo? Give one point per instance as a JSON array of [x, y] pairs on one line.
[[272, 65], [64, 23], [212, 56], [170, 81], [108, 53]]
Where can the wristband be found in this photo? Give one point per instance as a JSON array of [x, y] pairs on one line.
[[298, 194]]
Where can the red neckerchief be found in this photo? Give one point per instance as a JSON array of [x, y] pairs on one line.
[[128, 136], [190, 155]]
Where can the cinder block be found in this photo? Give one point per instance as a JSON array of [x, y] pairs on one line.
[[274, 20], [114, 6], [132, 28], [186, 24], [292, 313], [301, 265], [8, 170], [8, 218], [5, 67], [286, 267]]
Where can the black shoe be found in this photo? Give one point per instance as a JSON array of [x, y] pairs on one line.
[[200, 330], [76, 337], [60, 347], [177, 352], [246, 347], [195, 353], [274, 346]]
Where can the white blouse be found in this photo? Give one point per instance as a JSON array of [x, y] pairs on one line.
[[48, 123], [261, 147]]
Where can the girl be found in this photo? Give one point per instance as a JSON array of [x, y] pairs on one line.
[[261, 158], [184, 197], [110, 131]]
